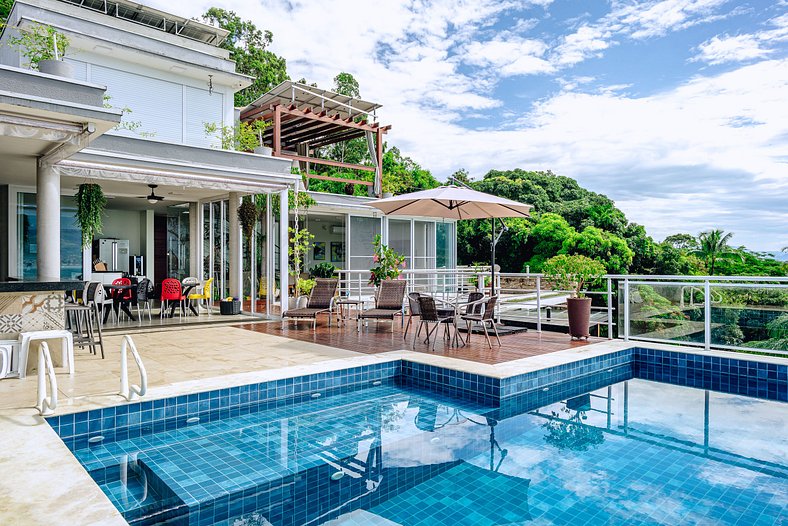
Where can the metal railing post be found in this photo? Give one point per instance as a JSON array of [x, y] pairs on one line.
[[538, 303], [626, 310], [706, 315], [609, 309]]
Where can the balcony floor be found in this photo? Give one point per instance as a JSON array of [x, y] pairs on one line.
[[378, 338]]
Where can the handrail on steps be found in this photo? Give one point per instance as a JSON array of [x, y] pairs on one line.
[[46, 404], [131, 392]]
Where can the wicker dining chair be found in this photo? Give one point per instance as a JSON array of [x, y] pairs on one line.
[[388, 303], [431, 315], [487, 316], [321, 299]]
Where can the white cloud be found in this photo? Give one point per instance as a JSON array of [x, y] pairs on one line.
[[721, 49], [709, 152]]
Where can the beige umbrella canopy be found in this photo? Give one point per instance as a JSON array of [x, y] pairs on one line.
[[451, 202], [455, 202]]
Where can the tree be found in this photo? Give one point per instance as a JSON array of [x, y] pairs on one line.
[[346, 84], [713, 245], [602, 246], [5, 10], [461, 176], [682, 241], [247, 46], [547, 238]]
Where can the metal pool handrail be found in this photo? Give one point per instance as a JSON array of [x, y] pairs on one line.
[[131, 392], [46, 405]]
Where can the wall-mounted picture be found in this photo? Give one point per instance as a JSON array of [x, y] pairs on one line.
[[337, 251], [319, 251]]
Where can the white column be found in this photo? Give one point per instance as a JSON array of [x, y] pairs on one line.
[[195, 240], [48, 222], [234, 250], [284, 243]]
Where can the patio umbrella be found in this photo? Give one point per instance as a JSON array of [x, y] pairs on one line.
[[454, 202]]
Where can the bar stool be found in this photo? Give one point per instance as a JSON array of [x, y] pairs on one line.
[[67, 351]]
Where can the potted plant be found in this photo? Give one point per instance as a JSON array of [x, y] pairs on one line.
[[322, 270], [390, 263], [90, 209], [300, 243], [573, 274], [44, 47]]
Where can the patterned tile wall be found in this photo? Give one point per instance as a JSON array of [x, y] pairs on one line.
[[30, 311]]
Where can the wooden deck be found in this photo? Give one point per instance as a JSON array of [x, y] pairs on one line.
[[378, 338]]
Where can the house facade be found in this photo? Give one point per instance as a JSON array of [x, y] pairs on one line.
[[131, 117]]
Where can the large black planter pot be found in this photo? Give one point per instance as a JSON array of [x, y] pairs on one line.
[[579, 311], [229, 308]]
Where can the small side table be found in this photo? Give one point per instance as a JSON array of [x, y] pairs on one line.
[[342, 314]]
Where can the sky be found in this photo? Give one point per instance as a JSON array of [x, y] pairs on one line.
[[675, 109]]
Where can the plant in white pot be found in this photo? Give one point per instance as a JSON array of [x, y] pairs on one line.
[[242, 137], [574, 273], [44, 47]]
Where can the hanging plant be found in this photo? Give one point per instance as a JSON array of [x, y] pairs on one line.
[[248, 214], [90, 210]]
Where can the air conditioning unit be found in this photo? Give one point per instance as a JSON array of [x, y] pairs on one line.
[[336, 229]]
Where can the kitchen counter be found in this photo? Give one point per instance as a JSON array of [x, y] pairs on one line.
[[13, 285]]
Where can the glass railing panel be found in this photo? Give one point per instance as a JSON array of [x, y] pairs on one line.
[[751, 315], [670, 312]]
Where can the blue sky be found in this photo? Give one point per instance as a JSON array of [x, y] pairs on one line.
[[676, 109]]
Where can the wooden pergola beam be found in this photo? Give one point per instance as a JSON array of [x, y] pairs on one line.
[[339, 179], [337, 138], [326, 162]]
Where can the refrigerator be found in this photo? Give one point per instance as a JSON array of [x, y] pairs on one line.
[[115, 253]]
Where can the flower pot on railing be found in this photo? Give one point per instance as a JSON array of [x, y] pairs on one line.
[[264, 150], [56, 67], [579, 311]]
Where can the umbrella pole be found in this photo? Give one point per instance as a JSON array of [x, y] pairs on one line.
[[492, 267]]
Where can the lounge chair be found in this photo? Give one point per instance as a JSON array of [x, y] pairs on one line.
[[321, 299], [388, 303]]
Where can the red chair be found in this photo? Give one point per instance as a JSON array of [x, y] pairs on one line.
[[171, 291], [122, 295]]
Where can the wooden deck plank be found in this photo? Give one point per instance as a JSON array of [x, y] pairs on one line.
[[378, 338]]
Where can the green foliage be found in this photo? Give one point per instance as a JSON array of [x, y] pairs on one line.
[[713, 246], [778, 335], [124, 124], [682, 241], [300, 243], [573, 273], [390, 263], [5, 10], [602, 246], [247, 46], [39, 43], [346, 84], [547, 238], [751, 264], [322, 270], [248, 215], [90, 210], [304, 286], [402, 175], [243, 136]]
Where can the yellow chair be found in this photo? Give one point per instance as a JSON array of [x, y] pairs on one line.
[[205, 295]]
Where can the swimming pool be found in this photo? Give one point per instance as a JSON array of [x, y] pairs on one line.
[[593, 442]]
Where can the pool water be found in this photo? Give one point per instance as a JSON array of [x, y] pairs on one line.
[[635, 452]]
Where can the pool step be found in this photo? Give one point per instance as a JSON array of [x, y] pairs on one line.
[[465, 495]]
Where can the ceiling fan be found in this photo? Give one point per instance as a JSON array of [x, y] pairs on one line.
[[153, 198]]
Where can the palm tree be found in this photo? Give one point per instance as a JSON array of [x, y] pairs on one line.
[[713, 245]]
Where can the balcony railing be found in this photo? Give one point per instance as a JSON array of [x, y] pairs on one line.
[[739, 313]]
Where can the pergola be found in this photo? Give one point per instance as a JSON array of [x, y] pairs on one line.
[[305, 118]]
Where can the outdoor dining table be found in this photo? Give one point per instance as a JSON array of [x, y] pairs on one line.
[[117, 303], [187, 289], [454, 310]]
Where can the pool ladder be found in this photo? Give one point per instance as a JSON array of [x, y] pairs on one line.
[[46, 405], [131, 392]]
